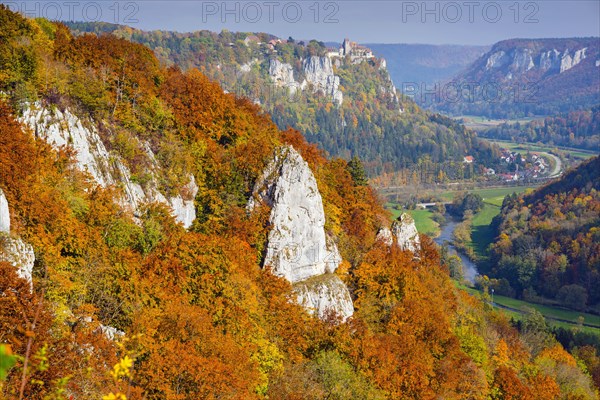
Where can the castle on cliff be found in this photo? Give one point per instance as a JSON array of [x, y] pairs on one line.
[[356, 52]]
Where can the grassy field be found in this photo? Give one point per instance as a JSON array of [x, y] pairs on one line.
[[477, 122], [482, 234], [489, 195], [422, 218], [552, 314]]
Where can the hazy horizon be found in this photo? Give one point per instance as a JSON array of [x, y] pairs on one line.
[[479, 23]]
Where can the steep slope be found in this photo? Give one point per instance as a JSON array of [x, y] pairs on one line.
[[342, 99], [548, 241], [200, 316], [108, 168], [528, 77]]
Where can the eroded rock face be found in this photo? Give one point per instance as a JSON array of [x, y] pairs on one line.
[[385, 236], [522, 60], [283, 75], [4, 214], [298, 248], [496, 60], [319, 72], [405, 233], [19, 254], [323, 294], [14, 251], [567, 61], [66, 129], [550, 60]]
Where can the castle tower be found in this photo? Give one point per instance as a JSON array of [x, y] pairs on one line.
[[347, 46]]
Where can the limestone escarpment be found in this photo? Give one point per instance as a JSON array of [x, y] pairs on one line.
[[521, 60], [283, 75], [60, 128], [318, 74], [298, 247]]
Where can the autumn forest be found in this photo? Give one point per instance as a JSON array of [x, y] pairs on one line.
[[126, 303]]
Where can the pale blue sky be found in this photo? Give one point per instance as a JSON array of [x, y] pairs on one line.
[[436, 22]]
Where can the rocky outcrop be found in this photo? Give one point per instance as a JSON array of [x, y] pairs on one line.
[[567, 62], [550, 60], [4, 214], [283, 75], [403, 233], [245, 68], [496, 60], [14, 250], [323, 294], [385, 236], [107, 168], [18, 253], [406, 234], [298, 248], [521, 60], [318, 72]]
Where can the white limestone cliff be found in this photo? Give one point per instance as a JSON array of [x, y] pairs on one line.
[[298, 248], [567, 61], [385, 236], [522, 60], [106, 168], [318, 72], [496, 60], [4, 214], [403, 233], [550, 60], [283, 75]]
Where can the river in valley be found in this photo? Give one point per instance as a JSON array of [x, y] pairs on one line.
[[469, 267]]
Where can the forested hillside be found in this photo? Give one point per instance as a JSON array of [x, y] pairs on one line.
[[125, 303], [386, 130], [525, 77], [580, 129], [549, 241]]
